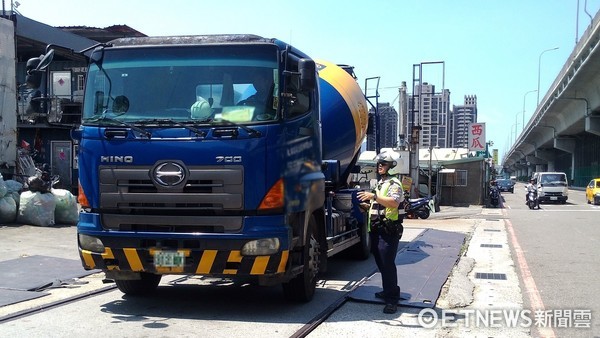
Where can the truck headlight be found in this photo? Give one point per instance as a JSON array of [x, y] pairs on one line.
[[90, 243], [261, 247]]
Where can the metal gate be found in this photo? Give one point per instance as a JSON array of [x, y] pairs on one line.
[[62, 165]]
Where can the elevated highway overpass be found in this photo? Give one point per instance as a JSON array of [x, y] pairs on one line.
[[563, 133]]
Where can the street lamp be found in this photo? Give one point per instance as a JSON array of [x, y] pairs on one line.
[[539, 69], [512, 128], [516, 124], [525, 96]]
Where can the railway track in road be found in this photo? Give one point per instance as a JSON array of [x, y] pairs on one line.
[[39, 307], [319, 309]]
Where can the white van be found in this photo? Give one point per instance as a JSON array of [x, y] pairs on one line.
[[552, 186]]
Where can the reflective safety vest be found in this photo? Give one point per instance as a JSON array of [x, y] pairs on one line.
[[383, 188]]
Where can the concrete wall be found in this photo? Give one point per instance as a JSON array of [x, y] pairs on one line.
[[8, 96]]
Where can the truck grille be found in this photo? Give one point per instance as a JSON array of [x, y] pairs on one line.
[[132, 201], [553, 194]]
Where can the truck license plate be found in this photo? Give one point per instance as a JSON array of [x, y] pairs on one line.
[[169, 259], [553, 198]]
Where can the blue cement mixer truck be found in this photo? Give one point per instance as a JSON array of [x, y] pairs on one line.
[[225, 156]]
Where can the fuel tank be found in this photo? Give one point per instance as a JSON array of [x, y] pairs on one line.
[[344, 115]]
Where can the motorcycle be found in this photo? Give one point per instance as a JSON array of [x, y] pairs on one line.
[[43, 181], [494, 196], [417, 207], [532, 200]]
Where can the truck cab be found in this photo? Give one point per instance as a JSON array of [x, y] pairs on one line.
[[224, 156], [551, 186]]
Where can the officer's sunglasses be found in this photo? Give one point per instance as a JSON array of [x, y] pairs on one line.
[[382, 163]]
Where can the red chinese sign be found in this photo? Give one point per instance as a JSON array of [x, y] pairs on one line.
[[477, 137]]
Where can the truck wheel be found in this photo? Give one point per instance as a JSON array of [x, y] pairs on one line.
[[362, 250], [302, 287], [139, 287]]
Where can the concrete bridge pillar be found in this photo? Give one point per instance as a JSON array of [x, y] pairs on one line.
[[567, 145], [547, 155], [534, 164], [542, 167]]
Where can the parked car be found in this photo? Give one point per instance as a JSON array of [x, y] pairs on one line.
[[506, 185], [592, 191]]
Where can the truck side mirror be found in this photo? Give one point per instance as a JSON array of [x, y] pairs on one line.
[[308, 74], [97, 56], [46, 60]]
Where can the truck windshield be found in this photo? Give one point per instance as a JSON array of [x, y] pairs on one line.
[[201, 85], [554, 179]]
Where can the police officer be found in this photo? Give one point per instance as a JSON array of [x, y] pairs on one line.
[[385, 226]]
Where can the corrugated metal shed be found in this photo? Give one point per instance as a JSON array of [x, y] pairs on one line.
[[34, 36]]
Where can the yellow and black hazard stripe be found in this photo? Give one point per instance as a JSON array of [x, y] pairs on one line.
[[198, 262]]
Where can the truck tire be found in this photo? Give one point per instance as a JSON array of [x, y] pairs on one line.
[[302, 287], [139, 287]]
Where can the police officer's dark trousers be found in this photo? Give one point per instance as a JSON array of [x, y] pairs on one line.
[[384, 248]]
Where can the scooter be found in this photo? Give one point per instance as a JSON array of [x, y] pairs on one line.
[[494, 196], [417, 207], [532, 200]]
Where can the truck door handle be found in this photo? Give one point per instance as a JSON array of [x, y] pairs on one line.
[[115, 133], [226, 132]]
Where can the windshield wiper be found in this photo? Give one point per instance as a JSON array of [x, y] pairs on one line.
[[105, 118], [172, 122], [250, 131]]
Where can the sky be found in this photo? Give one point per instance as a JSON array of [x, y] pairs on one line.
[[498, 50]]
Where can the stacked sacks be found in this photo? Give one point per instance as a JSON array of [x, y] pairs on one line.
[[66, 211], [46, 209], [14, 189], [8, 205], [36, 207]]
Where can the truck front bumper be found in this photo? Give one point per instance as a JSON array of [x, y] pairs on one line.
[[261, 250]]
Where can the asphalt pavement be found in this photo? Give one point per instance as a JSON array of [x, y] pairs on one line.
[[483, 282]]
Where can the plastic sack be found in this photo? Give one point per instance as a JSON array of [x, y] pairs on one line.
[[8, 209], [13, 186], [36, 208], [66, 211], [14, 189], [3, 188]]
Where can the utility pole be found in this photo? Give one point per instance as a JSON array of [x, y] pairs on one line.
[[430, 169], [416, 121]]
